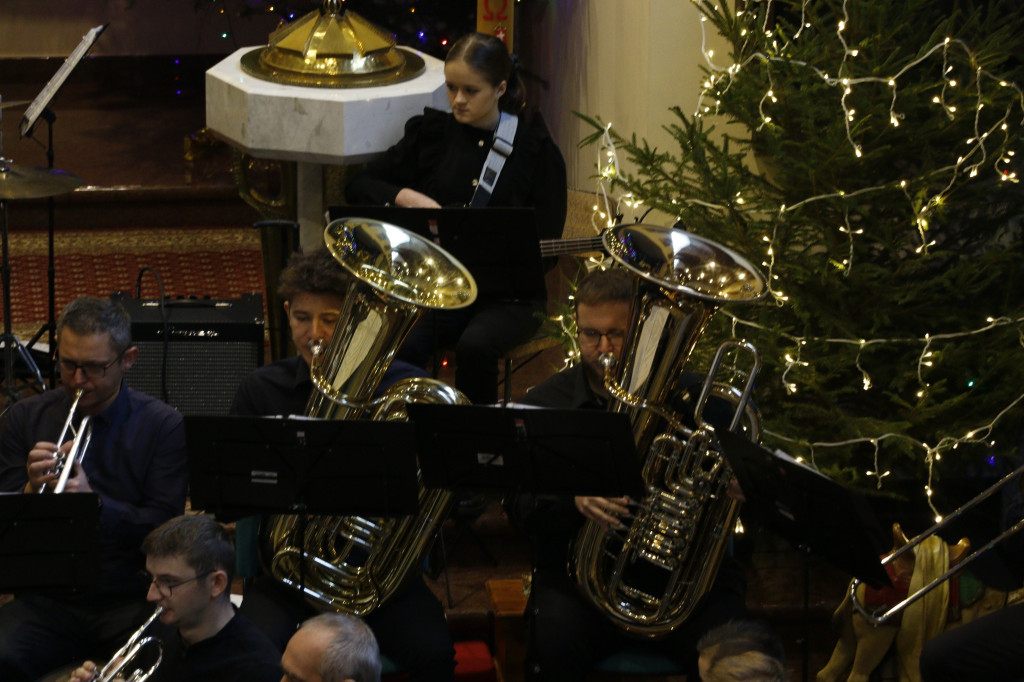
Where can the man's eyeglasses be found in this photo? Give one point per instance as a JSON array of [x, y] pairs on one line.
[[165, 587], [91, 370], [592, 337]]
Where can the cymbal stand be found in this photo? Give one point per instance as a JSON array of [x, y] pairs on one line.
[[10, 342]]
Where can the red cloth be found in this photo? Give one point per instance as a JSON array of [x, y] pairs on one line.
[[887, 596], [474, 663]]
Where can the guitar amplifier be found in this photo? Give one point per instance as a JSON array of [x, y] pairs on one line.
[[195, 359]]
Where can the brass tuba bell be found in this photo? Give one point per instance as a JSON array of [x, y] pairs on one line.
[[648, 578], [352, 564]]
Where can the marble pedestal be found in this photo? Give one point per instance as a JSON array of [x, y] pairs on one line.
[[314, 126]]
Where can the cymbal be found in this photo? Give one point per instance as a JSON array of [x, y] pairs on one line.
[[28, 182], [16, 104]]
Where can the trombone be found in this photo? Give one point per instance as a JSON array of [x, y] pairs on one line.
[[127, 654], [876, 618], [65, 462]]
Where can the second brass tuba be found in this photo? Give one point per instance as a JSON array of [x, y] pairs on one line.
[[648, 578], [352, 564]]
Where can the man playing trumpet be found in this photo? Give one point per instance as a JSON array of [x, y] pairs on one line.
[[190, 562], [135, 464]]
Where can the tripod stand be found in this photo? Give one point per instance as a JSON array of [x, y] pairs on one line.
[[11, 344], [50, 326], [20, 182]]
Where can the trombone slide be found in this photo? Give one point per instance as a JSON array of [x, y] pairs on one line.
[[877, 619]]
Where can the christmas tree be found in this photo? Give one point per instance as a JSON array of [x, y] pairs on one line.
[[866, 155]]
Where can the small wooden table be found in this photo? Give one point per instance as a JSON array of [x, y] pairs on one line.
[[508, 604]]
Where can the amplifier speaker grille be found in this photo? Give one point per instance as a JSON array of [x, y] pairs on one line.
[[212, 346]]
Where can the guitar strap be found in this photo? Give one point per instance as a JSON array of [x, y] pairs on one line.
[[501, 147]]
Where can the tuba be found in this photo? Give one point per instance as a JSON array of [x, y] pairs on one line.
[[352, 564], [649, 577]]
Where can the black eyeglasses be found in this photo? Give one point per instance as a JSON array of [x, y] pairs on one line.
[[165, 587], [91, 370], [592, 337]]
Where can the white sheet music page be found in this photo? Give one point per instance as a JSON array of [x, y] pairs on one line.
[[50, 89]]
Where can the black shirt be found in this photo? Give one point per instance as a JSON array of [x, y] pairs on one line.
[[238, 653], [569, 389], [442, 158], [283, 387]]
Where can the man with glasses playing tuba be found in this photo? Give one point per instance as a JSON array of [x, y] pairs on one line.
[[568, 635], [135, 462], [190, 564]]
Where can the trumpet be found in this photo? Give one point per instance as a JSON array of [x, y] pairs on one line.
[[877, 618], [127, 654], [65, 462]]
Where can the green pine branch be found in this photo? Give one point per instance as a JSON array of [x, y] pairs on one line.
[[899, 244]]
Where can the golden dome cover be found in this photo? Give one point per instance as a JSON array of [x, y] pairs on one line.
[[331, 48]]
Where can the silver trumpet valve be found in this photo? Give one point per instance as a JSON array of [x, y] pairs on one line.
[[126, 655], [65, 461]]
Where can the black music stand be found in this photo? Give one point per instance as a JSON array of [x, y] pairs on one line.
[[810, 510], [498, 245], [240, 466], [49, 542], [39, 107], [544, 451], [525, 449]]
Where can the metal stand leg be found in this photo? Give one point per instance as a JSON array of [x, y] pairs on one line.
[[11, 345], [50, 328]]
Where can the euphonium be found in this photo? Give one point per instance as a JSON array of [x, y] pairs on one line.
[[126, 655], [65, 462], [353, 563], [648, 578]]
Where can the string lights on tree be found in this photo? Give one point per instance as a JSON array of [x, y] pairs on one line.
[[871, 162]]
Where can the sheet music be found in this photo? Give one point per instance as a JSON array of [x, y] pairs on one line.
[[50, 89]]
